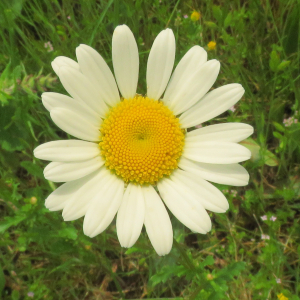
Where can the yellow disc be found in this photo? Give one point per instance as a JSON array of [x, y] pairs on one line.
[[141, 140]]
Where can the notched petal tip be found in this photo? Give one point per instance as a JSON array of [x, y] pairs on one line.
[[214, 63], [121, 28], [169, 31], [82, 47], [239, 89]]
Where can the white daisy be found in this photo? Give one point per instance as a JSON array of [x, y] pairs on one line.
[[135, 153]]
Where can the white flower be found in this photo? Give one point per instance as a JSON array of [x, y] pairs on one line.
[[132, 145], [265, 237], [278, 280], [264, 218]]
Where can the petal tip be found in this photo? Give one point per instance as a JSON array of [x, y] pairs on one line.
[[55, 67], [121, 28]]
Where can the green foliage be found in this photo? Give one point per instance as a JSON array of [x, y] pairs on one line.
[[245, 256]]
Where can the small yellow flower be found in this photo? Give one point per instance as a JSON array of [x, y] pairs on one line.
[[282, 297], [195, 16], [211, 45], [33, 200]]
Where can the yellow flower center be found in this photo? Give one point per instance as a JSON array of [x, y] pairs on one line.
[[141, 140]]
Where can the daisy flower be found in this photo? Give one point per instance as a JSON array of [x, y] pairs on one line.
[[134, 155]]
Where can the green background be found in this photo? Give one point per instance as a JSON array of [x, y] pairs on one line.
[[45, 258]]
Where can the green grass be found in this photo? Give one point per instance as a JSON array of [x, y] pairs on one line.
[[258, 46]]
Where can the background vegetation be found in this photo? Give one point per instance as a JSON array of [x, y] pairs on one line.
[[252, 251]]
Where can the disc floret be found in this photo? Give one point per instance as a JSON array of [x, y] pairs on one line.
[[141, 140]]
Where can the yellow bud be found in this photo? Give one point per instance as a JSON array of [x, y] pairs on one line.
[[282, 297], [33, 200], [195, 16], [211, 45]]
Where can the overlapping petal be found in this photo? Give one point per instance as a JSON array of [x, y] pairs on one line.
[[125, 57], [184, 206], [131, 214], [212, 104], [216, 152], [58, 199], [94, 67], [160, 63], [224, 132], [157, 222], [79, 201], [200, 190], [61, 61], [67, 150], [68, 171], [82, 89], [56, 101], [76, 124], [231, 174], [188, 92], [104, 205], [188, 65]]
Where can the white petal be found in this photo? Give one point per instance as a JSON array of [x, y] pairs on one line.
[[104, 205], [60, 61], [216, 152], [211, 105], [55, 100], [232, 174], [58, 199], [68, 171], [187, 66], [226, 132], [94, 67], [192, 90], [51, 100], [67, 150], [208, 195], [131, 215], [82, 89], [79, 202], [157, 222], [184, 206], [125, 58], [160, 63], [76, 124]]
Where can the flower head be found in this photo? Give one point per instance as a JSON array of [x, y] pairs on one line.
[[234, 193], [48, 46], [291, 120], [265, 237], [273, 218], [282, 297], [212, 46], [264, 218], [133, 154], [232, 108], [195, 16]]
